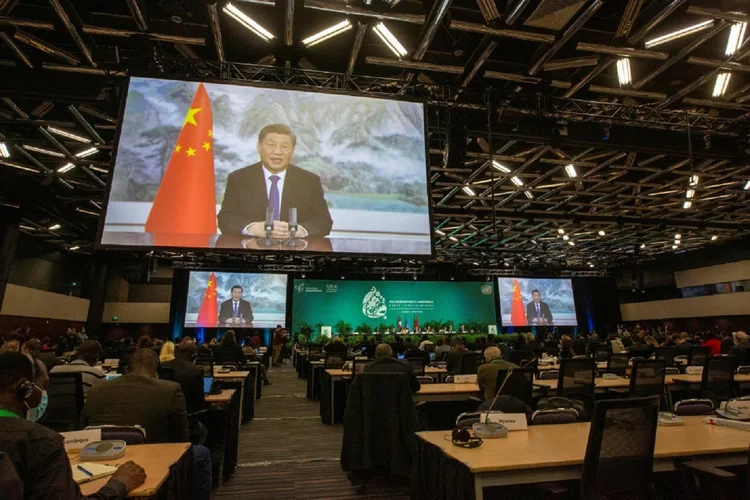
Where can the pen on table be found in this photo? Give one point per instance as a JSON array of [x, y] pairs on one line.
[[89, 474]]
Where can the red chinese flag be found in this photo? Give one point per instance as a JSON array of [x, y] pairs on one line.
[[416, 322], [517, 311], [185, 203], [209, 312]]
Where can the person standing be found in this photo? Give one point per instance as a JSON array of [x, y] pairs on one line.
[[278, 341]]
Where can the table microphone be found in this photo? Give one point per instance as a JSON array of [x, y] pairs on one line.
[[267, 242], [293, 227]]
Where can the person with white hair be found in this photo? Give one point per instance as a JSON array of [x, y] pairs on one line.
[[742, 348], [487, 373]]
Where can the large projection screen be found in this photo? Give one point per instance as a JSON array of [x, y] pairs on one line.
[[235, 300], [197, 165], [536, 302]]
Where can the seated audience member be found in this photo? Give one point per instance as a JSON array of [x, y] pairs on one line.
[[566, 347], [615, 344], [442, 347], [487, 373], [639, 349], [627, 341], [11, 346], [335, 346], [37, 452], [144, 342], [252, 356], [453, 359], [85, 364], [594, 342], [425, 342], [413, 351], [531, 343], [727, 342], [578, 347], [682, 345], [398, 346], [166, 353], [710, 340], [651, 342], [204, 351], [230, 351], [550, 342], [386, 363], [139, 398], [47, 344], [190, 378], [742, 349]]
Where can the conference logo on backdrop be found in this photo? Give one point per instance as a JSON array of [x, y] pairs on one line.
[[486, 289], [300, 288], [373, 305]]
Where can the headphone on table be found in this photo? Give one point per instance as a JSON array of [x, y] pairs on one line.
[[462, 438]]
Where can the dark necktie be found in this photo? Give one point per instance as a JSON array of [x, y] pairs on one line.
[[538, 315], [235, 309], [274, 197]]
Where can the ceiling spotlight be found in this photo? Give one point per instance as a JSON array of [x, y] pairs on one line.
[[74, 248], [533, 242], [571, 243], [438, 231], [591, 265], [327, 33], [676, 242], [500, 167], [529, 195], [687, 204], [601, 233], [69, 135], [54, 227], [343, 277], [390, 40], [66, 168], [303, 275], [694, 179], [571, 170], [506, 264], [452, 238], [674, 247], [689, 30], [736, 35], [623, 71], [722, 82], [516, 181], [677, 236], [247, 22], [690, 193], [561, 231], [747, 186], [37, 149], [414, 277], [4, 153], [566, 237], [382, 277], [88, 152], [643, 245], [469, 191], [714, 238]]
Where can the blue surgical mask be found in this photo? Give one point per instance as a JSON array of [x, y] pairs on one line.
[[34, 414]]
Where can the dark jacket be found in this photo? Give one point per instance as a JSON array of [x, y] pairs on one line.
[[246, 199], [414, 352], [228, 353], [742, 352], [39, 458], [336, 347], [543, 310], [244, 311], [453, 359], [137, 399], [393, 365], [380, 423], [190, 378]]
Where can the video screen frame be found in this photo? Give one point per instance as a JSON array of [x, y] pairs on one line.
[[125, 85], [501, 310]]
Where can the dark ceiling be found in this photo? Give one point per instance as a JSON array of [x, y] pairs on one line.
[[531, 83]]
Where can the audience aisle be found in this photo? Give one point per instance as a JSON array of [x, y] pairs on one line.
[[287, 453]]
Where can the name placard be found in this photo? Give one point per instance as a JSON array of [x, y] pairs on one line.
[[76, 440], [465, 379], [511, 421]]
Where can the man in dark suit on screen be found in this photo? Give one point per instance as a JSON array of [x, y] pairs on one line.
[[274, 182], [538, 312], [236, 311]]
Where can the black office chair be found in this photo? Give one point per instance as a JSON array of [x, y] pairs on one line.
[[619, 456], [717, 383], [131, 434], [224, 357], [667, 354], [165, 373], [697, 355], [369, 351], [617, 364], [358, 366], [334, 361], [122, 366], [647, 378], [430, 348], [522, 357], [576, 380], [314, 351], [65, 403], [207, 364], [417, 365], [468, 364], [520, 384], [602, 352]]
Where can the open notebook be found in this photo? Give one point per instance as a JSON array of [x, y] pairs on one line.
[[97, 471]]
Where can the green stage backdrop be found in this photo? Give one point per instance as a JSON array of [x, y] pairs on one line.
[[376, 303]]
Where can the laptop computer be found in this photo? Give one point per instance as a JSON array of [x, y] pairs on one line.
[[208, 385]]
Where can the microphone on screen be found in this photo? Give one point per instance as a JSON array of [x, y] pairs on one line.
[[268, 225], [293, 227]]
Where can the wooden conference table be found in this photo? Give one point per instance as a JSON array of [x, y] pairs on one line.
[[223, 433], [556, 453], [156, 459], [239, 378]]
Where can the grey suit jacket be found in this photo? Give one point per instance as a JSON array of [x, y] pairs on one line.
[[136, 399]]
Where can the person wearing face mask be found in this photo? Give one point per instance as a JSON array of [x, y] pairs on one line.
[[37, 452]]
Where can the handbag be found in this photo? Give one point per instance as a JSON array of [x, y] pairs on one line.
[[558, 402]]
